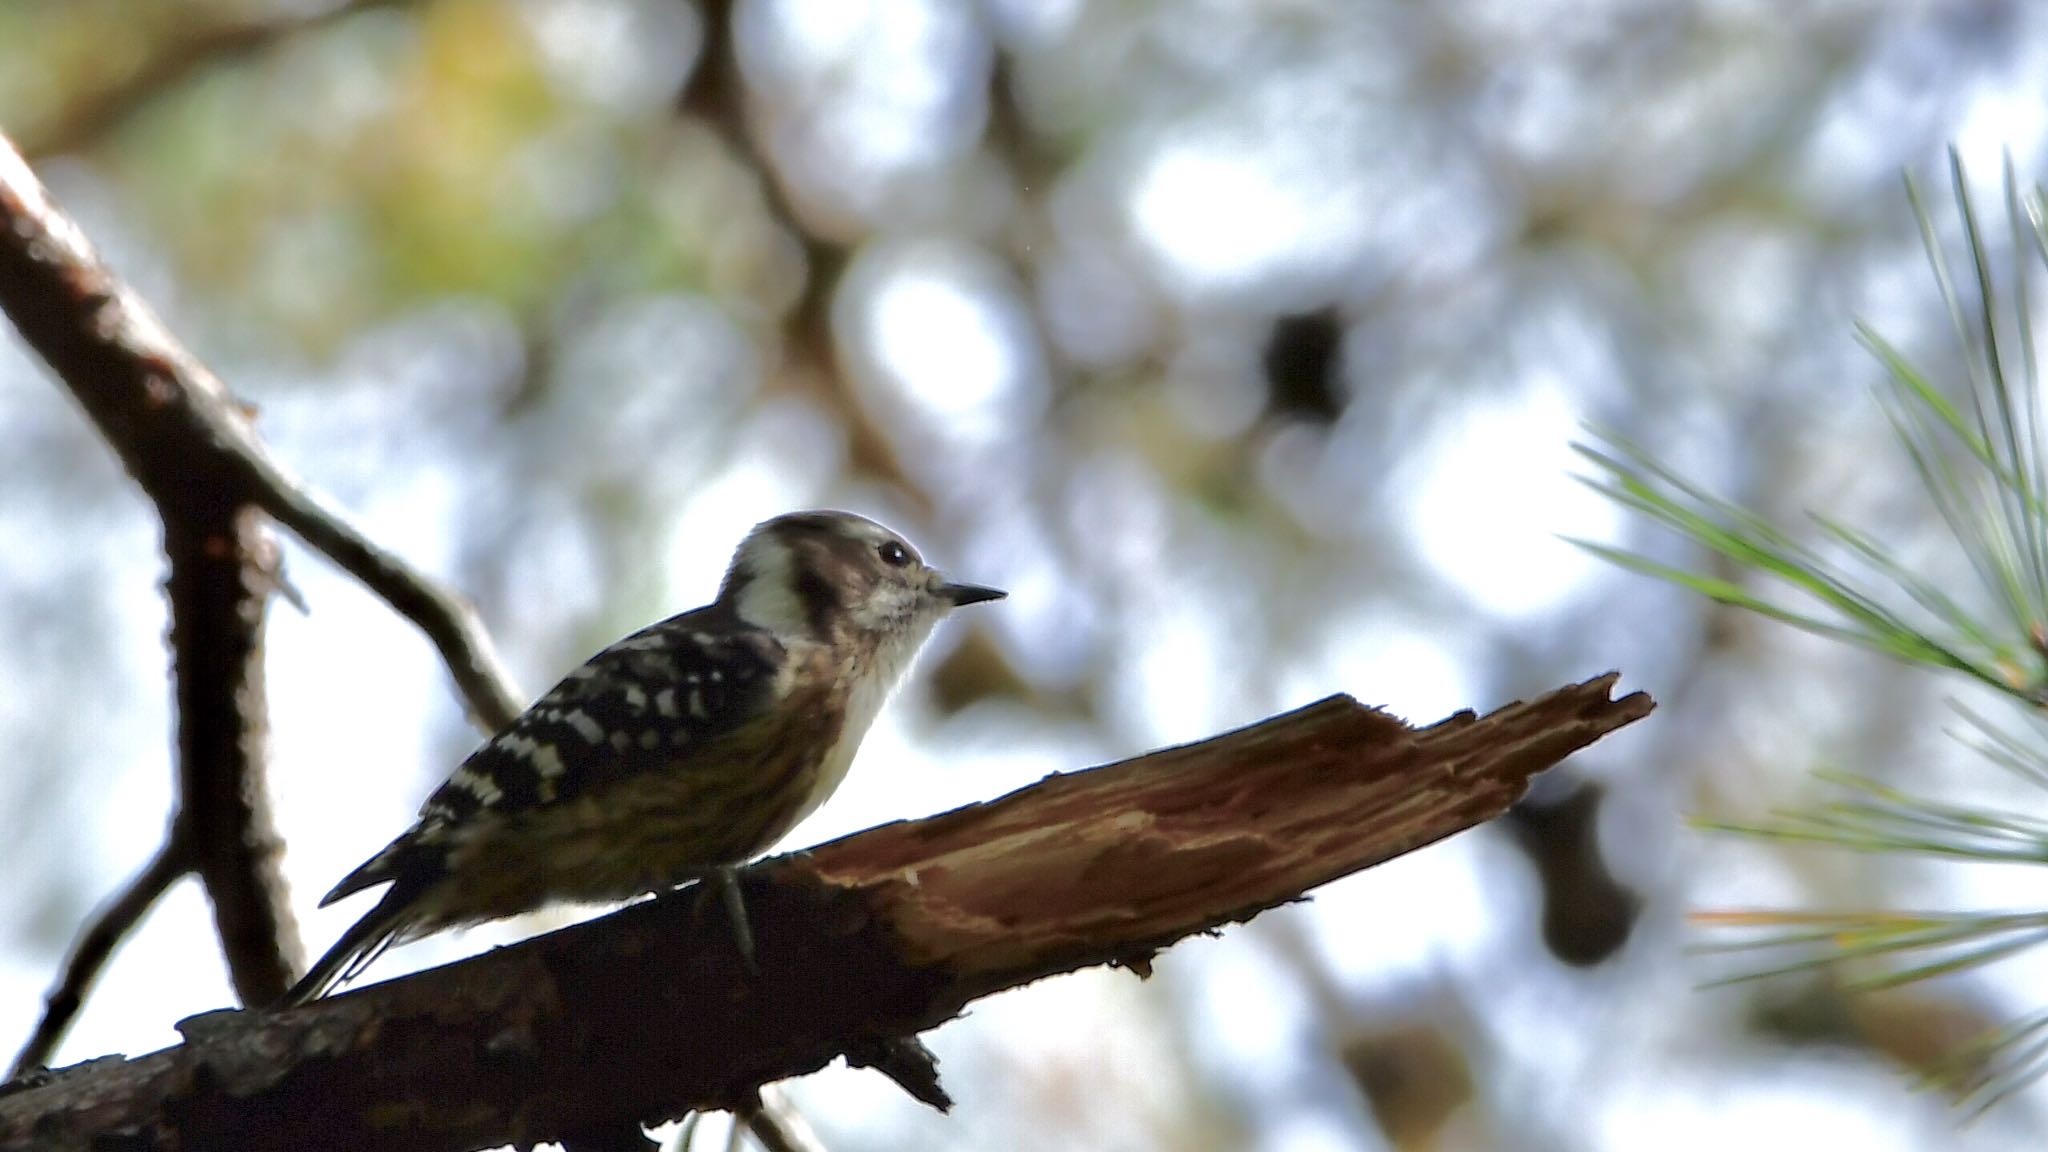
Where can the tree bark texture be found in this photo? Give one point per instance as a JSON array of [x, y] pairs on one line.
[[170, 422], [648, 1013]]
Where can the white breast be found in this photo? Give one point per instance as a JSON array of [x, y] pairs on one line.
[[869, 690]]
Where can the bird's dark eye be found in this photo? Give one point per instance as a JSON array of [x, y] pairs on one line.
[[893, 554]]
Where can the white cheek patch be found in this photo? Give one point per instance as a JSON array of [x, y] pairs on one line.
[[887, 610], [768, 600]]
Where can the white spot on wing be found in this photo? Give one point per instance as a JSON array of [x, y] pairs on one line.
[[478, 785], [585, 725], [517, 744], [547, 761]]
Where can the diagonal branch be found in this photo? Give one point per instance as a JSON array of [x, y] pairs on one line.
[[89, 954], [449, 621], [717, 94], [645, 1014], [172, 420], [133, 381], [87, 121], [192, 451]]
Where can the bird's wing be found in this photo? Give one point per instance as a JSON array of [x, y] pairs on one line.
[[640, 704]]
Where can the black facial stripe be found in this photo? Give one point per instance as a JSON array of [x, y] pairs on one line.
[[820, 597], [736, 580]]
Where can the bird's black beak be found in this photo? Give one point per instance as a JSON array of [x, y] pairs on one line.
[[969, 593]]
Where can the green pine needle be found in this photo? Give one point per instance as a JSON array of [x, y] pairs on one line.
[[1981, 464], [1979, 454]]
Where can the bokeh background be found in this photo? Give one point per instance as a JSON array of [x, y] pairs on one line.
[[1244, 342]]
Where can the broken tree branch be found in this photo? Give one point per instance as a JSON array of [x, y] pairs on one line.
[[646, 1014]]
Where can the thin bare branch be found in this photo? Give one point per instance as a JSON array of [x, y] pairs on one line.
[[94, 945], [191, 449], [778, 1125], [717, 94], [223, 569], [90, 119], [171, 419], [141, 390], [449, 621]]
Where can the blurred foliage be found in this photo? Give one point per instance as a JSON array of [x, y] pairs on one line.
[[1415, 1078], [1982, 469], [1587, 913], [1242, 342], [1978, 453]]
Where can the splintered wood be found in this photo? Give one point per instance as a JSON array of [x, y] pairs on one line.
[[648, 1013], [1131, 856]]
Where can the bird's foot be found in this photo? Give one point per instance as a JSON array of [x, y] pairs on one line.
[[725, 884]]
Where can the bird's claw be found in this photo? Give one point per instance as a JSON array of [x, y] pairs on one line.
[[725, 882]]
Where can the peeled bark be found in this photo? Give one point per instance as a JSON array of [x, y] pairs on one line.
[[645, 1014]]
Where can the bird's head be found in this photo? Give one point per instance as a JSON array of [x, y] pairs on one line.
[[840, 579]]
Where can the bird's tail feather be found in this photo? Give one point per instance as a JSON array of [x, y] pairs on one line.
[[366, 939]]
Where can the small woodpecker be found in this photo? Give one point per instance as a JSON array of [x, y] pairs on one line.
[[674, 755]]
